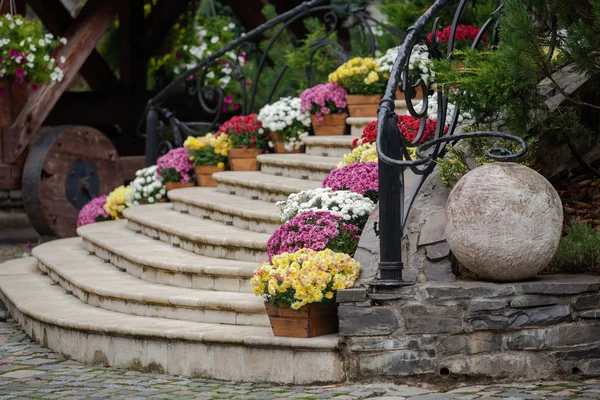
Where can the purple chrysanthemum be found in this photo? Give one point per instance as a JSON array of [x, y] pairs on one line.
[[315, 230], [361, 178], [93, 211], [177, 160]]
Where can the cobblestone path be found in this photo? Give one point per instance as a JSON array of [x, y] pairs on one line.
[[30, 371]]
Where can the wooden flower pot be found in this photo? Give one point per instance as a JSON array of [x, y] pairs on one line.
[[419, 95], [204, 174], [178, 185], [280, 144], [332, 124], [311, 320], [244, 159], [363, 105]]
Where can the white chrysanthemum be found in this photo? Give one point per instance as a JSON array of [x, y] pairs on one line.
[[146, 187], [285, 115], [352, 207]]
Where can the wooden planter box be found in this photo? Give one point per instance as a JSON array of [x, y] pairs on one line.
[[280, 144], [363, 105], [333, 124], [178, 185], [310, 321], [244, 159], [204, 174], [418, 96]]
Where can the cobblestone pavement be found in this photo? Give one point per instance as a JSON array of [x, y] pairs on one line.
[[30, 371]]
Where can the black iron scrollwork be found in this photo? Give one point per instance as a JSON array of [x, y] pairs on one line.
[[211, 99], [394, 157]]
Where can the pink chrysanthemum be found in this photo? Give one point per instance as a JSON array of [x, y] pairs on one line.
[[93, 211], [361, 178]]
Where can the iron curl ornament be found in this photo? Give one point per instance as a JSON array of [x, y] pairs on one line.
[[392, 147], [211, 99]]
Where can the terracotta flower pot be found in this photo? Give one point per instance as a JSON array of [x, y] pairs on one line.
[[311, 320], [419, 95], [332, 124], [280, 144], [204, 174], [363, 105], [178, 185], [244, 159]]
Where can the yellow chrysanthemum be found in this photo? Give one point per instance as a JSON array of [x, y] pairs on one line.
[[115, 202], [313, 277]]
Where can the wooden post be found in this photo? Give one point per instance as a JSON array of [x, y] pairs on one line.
[[133, 60], [83, 35]]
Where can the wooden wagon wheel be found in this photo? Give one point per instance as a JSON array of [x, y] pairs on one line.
[[67, 166]]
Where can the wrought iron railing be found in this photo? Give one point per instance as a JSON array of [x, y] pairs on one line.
[[211, 99], [392, 147]]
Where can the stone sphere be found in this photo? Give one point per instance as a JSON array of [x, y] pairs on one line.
[[503, 221]]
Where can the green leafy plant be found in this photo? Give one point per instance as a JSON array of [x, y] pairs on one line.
[[578, 251]]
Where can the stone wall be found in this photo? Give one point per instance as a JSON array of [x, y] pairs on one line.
[[426, 254], [543, 328]]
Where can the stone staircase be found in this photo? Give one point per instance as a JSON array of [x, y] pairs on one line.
[[168, 289]]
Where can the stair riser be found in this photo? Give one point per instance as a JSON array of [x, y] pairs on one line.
[[253, 193], [190, 359], [205, 249], [128, 306], [334, 152], [299, 173], [234, 220], [172, 278]]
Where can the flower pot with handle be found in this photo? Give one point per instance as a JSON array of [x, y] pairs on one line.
[[279, 143], [331, 124], [363, 105], [204, 174], [243, 159], [311, 320], [178, 185]]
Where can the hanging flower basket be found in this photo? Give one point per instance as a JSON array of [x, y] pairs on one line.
[[309, 321], [204, 174]]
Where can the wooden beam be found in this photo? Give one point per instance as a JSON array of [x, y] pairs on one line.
[[83, 35], [134, 65], [160, 21], [95, 70]]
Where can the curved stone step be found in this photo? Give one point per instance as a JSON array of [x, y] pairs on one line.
[[301, 166], [158, 262], [97, 336], [358, 124], [202, 236], [101, 285], [208, 203], [328, 146], [259, 186]]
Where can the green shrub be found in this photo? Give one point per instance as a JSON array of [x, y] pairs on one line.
[[578, 251]]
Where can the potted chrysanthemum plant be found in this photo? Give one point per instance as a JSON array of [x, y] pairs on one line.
[[364, 82], [146, 188], [248, 141], [209, 155], [420, 67], [299, 290], [287, 124], [175, 169], [26, 61], [327, 106]]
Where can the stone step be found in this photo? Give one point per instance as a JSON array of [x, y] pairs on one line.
[[213, 351], [208, 203], [357, 124], [99, 284], [301, 166], [328, 146], [259, 186], [158, 262], [201, 236]]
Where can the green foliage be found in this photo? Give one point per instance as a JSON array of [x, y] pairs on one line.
[[578, 251], [170, 175], [207, 156], [452, 167]]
